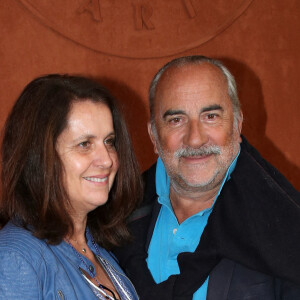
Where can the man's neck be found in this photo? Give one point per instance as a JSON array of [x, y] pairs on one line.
[[186, 204]]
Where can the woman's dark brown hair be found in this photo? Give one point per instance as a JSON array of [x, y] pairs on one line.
[[33, 194]]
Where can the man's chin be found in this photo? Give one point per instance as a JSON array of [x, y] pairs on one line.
[[198, 183], [198, 173], [196, 161]]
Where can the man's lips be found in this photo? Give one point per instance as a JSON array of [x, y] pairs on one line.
[[196, 158]]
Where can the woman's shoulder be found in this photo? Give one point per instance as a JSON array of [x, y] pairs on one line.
[[27, 265], [17, 240]]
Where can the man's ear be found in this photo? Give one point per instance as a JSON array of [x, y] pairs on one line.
[[152, 136]]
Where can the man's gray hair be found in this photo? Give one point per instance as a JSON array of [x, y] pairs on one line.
[[195, 60]]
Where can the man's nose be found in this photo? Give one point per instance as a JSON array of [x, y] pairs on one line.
[[102, 157], [196, 134]]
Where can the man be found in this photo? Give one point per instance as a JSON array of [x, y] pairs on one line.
[[217, 222]]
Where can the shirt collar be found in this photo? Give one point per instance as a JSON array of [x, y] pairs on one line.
[[162, 182]]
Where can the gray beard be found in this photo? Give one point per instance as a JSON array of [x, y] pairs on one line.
[[179, 183]]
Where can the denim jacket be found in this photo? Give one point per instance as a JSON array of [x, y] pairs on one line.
[[32, 269]]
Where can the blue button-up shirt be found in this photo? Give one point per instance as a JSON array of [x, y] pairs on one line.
[[32, 269], [170, 238]]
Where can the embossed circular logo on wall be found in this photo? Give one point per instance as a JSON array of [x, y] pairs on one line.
[[138, 28]]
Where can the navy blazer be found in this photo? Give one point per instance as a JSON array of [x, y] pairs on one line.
[[232, 281], [252, 203]]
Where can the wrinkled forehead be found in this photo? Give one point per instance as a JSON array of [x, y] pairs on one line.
[[183, 74], [192, 81]]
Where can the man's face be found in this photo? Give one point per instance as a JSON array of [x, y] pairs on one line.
[[195, 133]]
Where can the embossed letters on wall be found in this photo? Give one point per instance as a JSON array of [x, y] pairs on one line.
[[138, 28]]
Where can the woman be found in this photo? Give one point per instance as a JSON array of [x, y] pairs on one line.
[[69, 181]]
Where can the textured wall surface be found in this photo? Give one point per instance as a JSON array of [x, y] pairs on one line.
[[123, 43]]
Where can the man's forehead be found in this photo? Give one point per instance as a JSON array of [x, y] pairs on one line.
[[182, 79], [191, 87], [199, 72]]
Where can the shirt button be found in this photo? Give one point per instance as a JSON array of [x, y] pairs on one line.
[[91, 268], [174, 230]]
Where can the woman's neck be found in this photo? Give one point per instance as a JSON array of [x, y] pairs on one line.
[[79, 224]]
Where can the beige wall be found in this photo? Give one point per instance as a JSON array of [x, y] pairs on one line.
[[260, 43]]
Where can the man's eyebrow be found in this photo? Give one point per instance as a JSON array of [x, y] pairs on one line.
[[212, 107], [172, 112]]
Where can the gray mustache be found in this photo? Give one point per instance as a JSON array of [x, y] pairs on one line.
[[205, 150]]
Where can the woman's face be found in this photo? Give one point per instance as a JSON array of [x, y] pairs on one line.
[[90, 161]]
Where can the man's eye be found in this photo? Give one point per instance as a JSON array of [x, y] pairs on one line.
[[175, 120], [211, 116]]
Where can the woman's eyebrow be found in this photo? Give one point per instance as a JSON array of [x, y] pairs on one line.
[[83, 137]]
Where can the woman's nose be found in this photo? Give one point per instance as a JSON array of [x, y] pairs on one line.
[[103, 158]]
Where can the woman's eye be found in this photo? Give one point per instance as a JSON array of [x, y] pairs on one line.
[[84, 145], [110, 142]]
